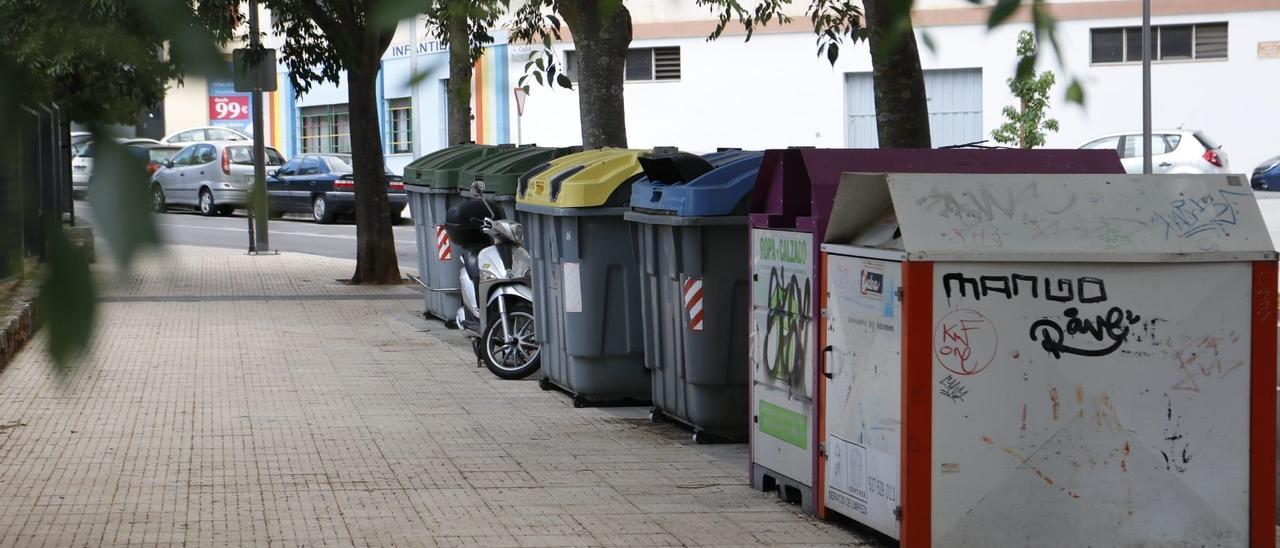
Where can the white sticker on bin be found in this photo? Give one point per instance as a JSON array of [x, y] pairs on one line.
[[572, 288]]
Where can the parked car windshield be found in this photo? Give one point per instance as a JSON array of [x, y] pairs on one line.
[[160, 154], [1206, 141], [244, 156], [341, 164]]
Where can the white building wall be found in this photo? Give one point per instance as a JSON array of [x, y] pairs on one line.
[[774, 91]]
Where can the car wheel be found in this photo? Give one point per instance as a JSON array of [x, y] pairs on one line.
[[158, 204], [207, 207], [320, 210]]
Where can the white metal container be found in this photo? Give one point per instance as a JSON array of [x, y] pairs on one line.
[[1062, 360]]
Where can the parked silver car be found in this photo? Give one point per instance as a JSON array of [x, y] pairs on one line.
[[212, 177], [1172, 151], [82, 163], [204, 134]]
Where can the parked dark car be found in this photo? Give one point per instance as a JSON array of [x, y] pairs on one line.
[[324, 186], [1267, 175], [154, 154]]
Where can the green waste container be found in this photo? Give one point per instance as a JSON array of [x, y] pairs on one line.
[[585, 279], [431, 183], [501, 172]]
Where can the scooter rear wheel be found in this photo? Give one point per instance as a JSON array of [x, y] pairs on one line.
[[522, 356]]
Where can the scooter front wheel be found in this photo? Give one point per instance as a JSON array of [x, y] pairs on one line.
[[518, 358]]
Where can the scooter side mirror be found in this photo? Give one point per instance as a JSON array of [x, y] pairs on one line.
[[477, 188]]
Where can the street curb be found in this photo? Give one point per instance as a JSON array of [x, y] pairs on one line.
[[19, 324]]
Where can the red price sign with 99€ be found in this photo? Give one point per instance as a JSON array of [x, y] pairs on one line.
[[232, 107]]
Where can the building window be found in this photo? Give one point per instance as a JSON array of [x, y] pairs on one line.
[[400, 130], [325, 128], [640, 64], [1168, 43]]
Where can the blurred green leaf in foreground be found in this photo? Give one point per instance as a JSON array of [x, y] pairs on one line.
[[103, 62]]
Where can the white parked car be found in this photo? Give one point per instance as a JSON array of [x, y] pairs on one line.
[[203, 134], [82, 164], [1172, 151], [212, 177]]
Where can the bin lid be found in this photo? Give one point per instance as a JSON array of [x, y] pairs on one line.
[[1052, 217], [439, 169], [796, 187], [716, 192], [501, 170], [587, 179]]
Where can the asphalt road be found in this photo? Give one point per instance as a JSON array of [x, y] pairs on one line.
[[293, 233]]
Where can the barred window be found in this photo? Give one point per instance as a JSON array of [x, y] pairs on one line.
[[325, 129], [1168, 43], [400, 126], [639, 65]]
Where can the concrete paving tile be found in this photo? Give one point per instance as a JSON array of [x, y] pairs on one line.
[[229, 400]]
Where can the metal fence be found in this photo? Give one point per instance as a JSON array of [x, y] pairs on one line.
[[35, 184]]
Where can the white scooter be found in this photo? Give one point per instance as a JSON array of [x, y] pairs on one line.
[[497, 300]]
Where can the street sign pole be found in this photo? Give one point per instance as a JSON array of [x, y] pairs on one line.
[[520, 97], [258, 200], [1146, 87]]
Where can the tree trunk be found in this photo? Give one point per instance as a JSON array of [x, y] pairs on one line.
[[902, 110], [375, 247], [459, 88], [601, 42]]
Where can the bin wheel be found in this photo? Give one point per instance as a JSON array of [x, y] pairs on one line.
[[579, 402], [703, 438], [545, 384], [656, 416]]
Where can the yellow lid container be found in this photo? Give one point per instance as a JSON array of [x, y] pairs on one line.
[[585, 179]]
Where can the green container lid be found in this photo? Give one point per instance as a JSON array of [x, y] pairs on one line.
[[439, 169], [501, 171]]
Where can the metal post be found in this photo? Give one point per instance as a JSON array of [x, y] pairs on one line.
[[519, 130], [258, 200], [415, 105], [1146, 87]]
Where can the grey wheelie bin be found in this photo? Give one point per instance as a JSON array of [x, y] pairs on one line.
[[690, 220], [431, 183], [586, 290], [501, 172]]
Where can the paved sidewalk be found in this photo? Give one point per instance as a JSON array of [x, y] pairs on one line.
[[243, 400]]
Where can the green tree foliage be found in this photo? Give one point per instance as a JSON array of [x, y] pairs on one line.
[[1025, 124], [103, 62], [323, 39], [601, 32], [463, 25]]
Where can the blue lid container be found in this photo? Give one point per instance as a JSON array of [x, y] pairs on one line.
[[723, 190]]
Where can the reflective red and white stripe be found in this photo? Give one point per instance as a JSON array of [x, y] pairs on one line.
[[444, 251], [693, 302]]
